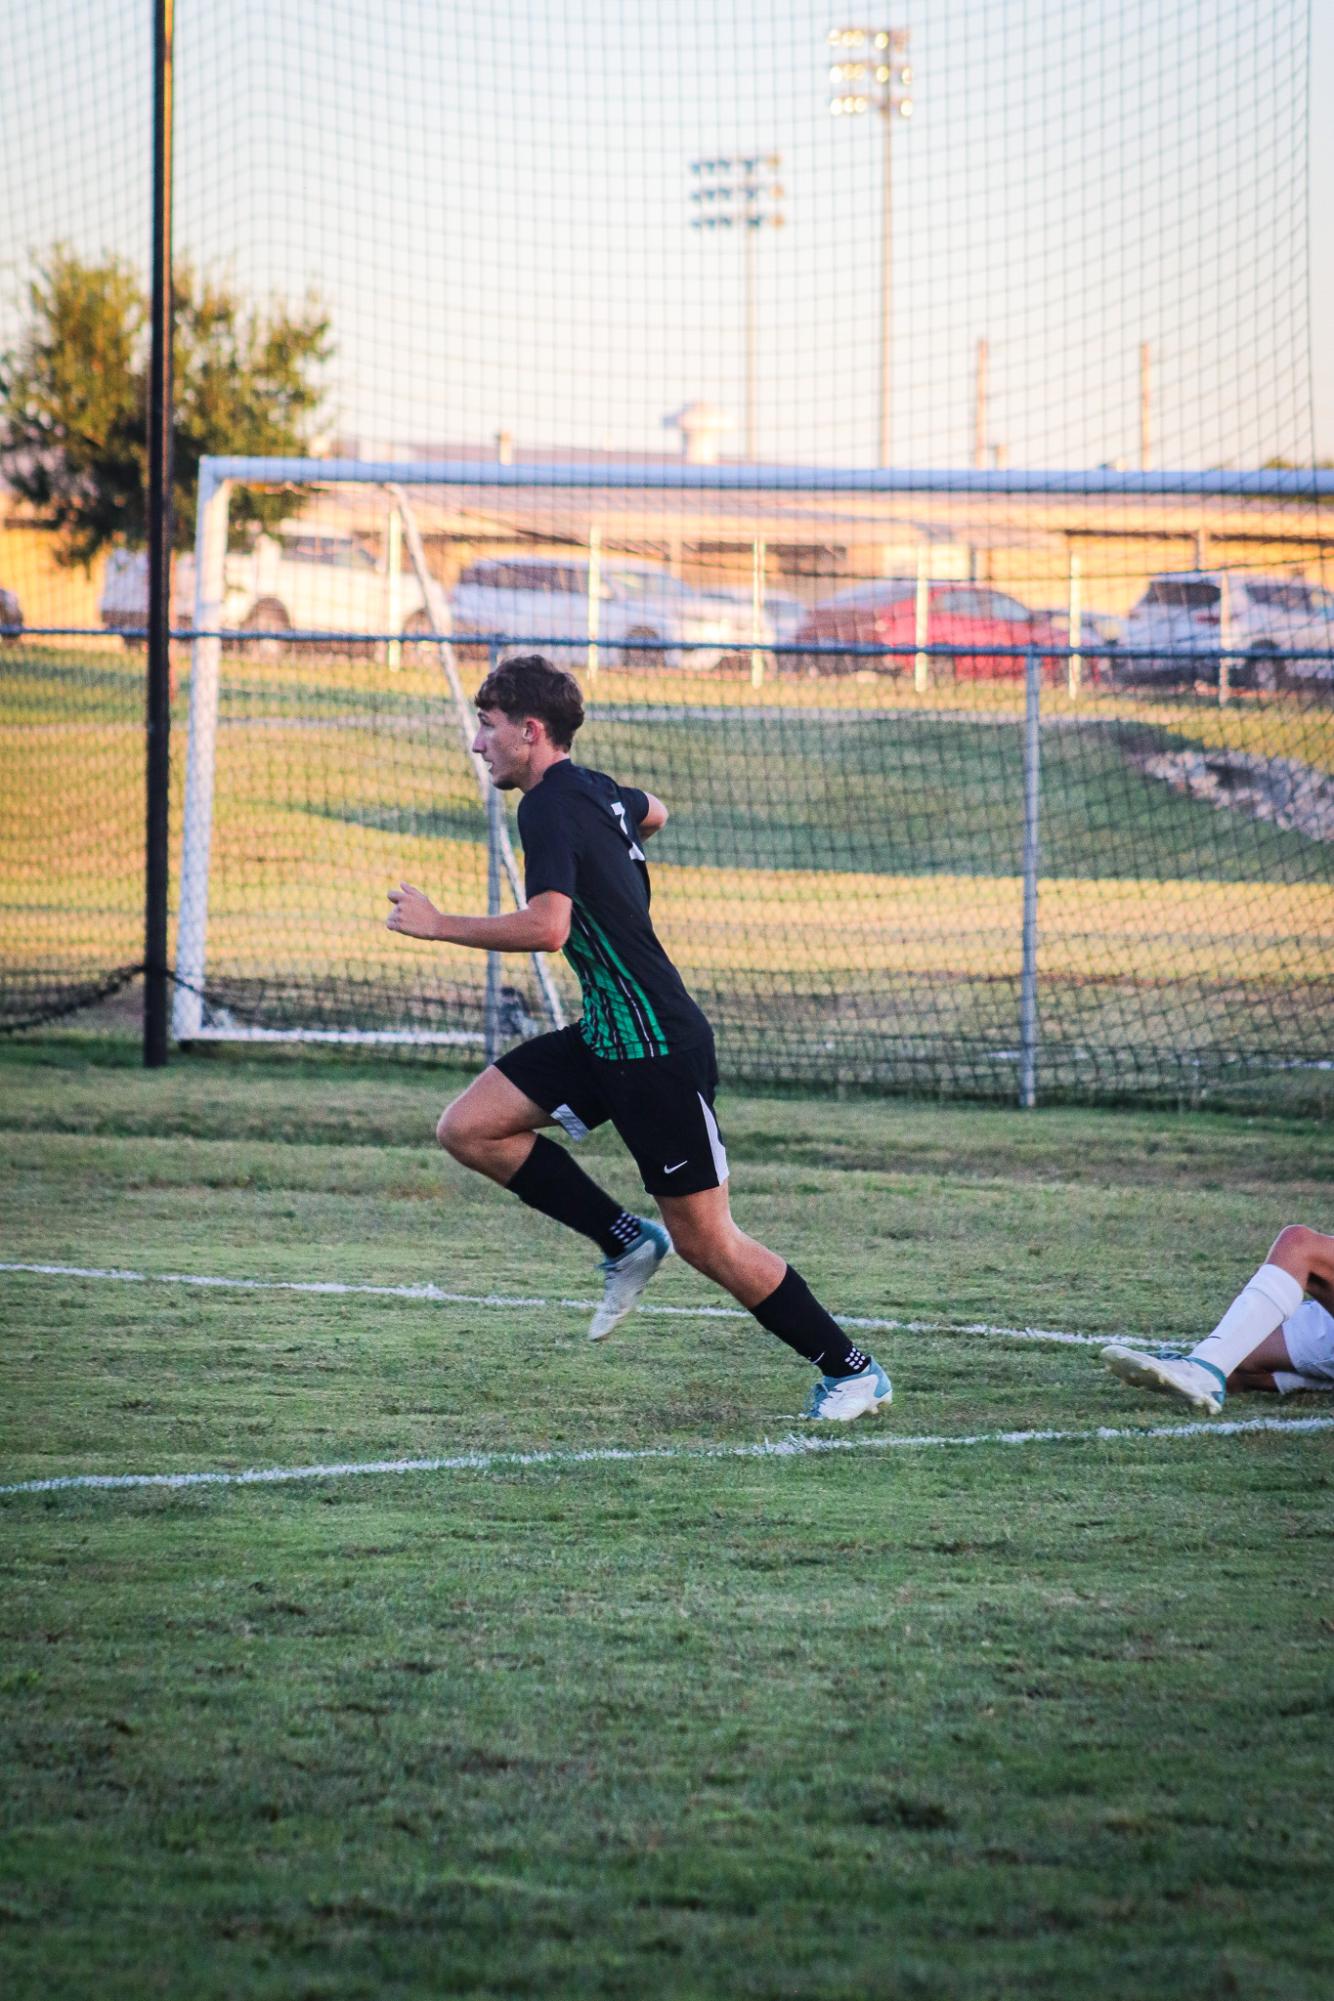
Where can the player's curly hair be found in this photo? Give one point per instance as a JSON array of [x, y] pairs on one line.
[[531, 686]]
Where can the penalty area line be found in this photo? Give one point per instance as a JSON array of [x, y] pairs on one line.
[[437, 1295], [794, 1446]]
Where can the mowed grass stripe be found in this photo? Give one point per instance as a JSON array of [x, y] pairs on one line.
[[792, 1446], [339, 1288]]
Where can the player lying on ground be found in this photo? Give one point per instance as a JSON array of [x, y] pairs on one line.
[[642, 1056], [1278, 1333]]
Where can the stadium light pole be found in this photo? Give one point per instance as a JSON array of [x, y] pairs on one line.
[[870, 72], [734, 191], [159, 555]]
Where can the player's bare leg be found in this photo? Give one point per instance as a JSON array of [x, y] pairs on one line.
[[1258, 1370], [492, 1127], [1308, 1255], [707, 1237]]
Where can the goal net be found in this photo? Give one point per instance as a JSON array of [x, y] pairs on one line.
[[947, 854]]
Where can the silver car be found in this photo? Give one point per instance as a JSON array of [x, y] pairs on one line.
[[639, 613], [1276, 631]]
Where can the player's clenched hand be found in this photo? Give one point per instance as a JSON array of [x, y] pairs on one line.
[[413, 913]]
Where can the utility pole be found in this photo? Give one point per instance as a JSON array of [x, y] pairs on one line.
[[871, 73], [732, 192], [159, 556]]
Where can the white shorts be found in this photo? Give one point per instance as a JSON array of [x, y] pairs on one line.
[[1309, 1334]]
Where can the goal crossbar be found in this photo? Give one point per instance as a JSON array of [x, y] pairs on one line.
[[1278, 483]]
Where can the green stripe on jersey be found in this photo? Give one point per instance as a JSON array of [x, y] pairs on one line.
[[619, 1023], [610, 1026], [639, 997]]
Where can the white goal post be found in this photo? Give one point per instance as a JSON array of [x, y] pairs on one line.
[[216, 481]]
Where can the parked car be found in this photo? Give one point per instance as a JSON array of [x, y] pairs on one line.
[[1313, 667], [1176, 633], [123, 604], [782, 614], [304, 579], [11, 614], [1099, 639], [787, 615], [545, 599], [971, 616]]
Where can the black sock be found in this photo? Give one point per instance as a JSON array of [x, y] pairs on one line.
[[796, 1316], [550, 1182]]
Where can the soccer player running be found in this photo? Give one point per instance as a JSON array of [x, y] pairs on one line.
[[642, 1056], [1278, 1333]]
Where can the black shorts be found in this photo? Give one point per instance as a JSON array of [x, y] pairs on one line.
[[662, 1106]]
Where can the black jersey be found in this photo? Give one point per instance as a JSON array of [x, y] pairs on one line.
[[578, 832]]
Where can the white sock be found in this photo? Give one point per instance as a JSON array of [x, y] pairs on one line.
[[1269, 1299], [1287, 1382]]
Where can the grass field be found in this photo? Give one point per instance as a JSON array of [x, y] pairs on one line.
[[1048, 1716]]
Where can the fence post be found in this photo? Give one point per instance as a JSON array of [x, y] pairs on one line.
[[1075, 663], [393, 576], [157, 834], [1028, 977], [921, 666], [758, 560], [594, 597], [495, 822]]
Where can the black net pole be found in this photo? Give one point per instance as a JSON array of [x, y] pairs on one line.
[[159, 555]]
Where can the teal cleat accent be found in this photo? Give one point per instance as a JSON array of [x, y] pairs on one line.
[[624, 1278], [884, 1389], [1198, 1384]]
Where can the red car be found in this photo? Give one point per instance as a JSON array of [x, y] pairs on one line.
[[885, 614]]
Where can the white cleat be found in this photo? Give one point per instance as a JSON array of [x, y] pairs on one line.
[[1194, 1383], [840, 1399], [624, 1278]]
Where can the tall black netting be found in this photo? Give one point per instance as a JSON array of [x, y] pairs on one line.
[[540, 260]]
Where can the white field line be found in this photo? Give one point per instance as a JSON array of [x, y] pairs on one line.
[[436, 1294], [794, 1446]]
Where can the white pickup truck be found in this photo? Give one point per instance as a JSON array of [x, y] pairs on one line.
[[304, 579]]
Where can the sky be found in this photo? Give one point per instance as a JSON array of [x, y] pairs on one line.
[[493, 201]]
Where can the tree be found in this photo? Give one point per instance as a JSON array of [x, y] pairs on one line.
[[74, 399], [1293, 465]]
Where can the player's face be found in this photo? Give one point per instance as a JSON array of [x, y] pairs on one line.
[[503, 747]]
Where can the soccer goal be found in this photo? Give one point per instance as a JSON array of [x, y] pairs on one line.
[[895, 856], [329, 757]]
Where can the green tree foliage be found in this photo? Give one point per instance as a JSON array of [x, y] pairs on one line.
[[1293, 465], [74, 399]]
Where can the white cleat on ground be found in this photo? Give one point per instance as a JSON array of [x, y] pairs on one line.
[[1194, 1383], [840, 1399], [624, 1278]]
